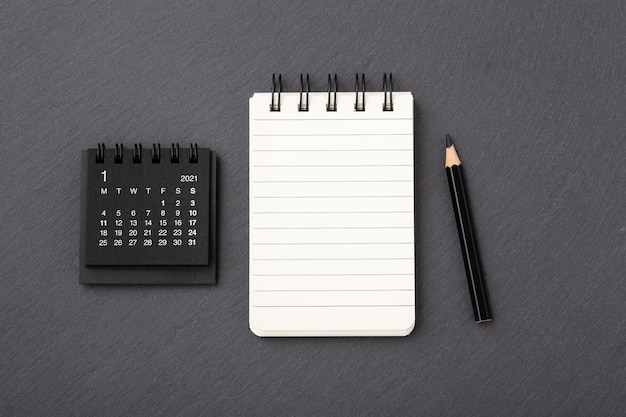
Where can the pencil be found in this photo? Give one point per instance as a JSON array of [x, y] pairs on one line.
[[463, 216]]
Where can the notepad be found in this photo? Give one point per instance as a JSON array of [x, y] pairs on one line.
[[332, 216]]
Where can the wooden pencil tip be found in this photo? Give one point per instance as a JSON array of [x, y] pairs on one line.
[[448, 141]]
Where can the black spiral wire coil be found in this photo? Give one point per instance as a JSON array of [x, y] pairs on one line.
[[100, 154], [333, 86], [359, 89], [118, 157], [137, 157], [137, 151], [388, 90], [156, 153], [193, 153], [304, 93], [175, 153], [275, 105]]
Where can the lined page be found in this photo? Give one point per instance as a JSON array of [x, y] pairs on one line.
[[331, 217]]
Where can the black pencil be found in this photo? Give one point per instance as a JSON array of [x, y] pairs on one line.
[[463, 217]]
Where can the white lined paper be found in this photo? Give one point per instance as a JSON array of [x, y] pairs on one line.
[[331, 217]]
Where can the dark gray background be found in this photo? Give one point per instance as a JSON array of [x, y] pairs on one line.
[[533, 92]]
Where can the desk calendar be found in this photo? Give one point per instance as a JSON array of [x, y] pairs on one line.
[[148, 217]]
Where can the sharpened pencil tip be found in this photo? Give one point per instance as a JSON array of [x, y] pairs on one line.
[[448, 141]]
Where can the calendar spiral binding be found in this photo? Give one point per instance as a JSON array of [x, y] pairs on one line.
[[333, 86], [137, 154], [175, 153], [193, 153], [156, 153], [118, 153], [100, 154]]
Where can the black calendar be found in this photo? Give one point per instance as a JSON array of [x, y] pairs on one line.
[[148, 215]]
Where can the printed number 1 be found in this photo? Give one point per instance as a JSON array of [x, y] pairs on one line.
[[104, 175]]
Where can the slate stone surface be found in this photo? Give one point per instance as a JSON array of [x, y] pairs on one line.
[[534, 94]]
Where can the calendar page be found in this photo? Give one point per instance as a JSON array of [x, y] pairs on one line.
[[147, 208]]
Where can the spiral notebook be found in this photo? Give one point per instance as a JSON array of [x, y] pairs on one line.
[[332, 212]]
